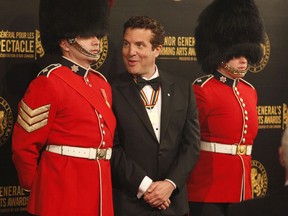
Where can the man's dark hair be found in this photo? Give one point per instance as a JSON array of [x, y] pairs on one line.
[[145, 22]]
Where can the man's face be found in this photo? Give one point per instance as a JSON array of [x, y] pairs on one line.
[[238, 63], [137, 53], [90, 44]]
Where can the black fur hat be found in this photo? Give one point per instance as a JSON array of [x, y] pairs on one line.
[[227, 29], [64, 19]]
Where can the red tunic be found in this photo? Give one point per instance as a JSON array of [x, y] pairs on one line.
[[227, 115], [64, 185]]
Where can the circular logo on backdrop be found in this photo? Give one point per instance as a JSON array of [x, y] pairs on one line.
[[255, 68], [259, 179], [102, 53], [6, 121]]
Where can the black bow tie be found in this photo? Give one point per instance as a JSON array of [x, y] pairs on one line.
[[155, 83]]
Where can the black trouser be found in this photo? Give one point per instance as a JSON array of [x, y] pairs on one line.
[[207, 209]]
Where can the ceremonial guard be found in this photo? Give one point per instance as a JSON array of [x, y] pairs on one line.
[[62, 140], [228, 38]]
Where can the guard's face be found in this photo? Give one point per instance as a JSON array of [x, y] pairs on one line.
[[238, 63], [138, 56], [90, 44]]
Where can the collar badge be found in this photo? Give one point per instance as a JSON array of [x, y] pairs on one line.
[[74, 68], [223, 79]]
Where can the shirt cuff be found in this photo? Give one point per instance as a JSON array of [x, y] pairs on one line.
[[171, 183], [146, 182]]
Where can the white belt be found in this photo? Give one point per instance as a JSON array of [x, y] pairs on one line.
[[233, 149], [88, 153]]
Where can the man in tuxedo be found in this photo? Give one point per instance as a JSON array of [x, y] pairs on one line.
[[274, 204], [157, 136]]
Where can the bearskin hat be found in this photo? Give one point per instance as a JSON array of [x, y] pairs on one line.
[[227, 29], [65, 19]]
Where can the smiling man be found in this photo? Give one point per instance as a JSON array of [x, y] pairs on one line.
[[157, 142]]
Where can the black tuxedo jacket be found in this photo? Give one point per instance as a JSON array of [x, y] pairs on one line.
[[137, 152], [275, 204]]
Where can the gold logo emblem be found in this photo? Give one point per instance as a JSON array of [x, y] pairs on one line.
[[285, 116], [39, 48], [102, 53], [256, 68], [259, 179], [6, 121]]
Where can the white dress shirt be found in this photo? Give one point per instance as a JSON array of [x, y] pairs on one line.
[[155, 118]]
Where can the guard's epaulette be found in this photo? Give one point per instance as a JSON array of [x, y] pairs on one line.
[[247, 83], [46, 71], [202, 80]]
